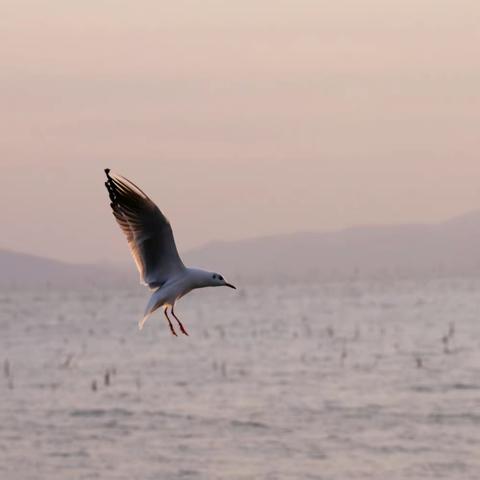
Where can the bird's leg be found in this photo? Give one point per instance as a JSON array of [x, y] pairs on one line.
[[179, 322], [169, 322]]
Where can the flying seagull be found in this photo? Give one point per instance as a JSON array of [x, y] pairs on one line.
[[153, 248]]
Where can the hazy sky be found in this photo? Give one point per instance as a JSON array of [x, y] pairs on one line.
[[240, 118]]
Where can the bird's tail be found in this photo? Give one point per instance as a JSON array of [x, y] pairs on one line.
[[143, 320], [155, 302]]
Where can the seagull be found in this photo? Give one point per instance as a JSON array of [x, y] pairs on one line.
[[151, 242]]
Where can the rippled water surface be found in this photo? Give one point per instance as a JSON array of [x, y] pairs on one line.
[[330, 381]]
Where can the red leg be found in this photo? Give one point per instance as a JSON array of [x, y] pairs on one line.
[[179, 323], [169, 322]]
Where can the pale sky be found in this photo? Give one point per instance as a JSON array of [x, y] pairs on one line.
[[239, 118]]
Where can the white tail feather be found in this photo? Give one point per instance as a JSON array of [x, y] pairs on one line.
[[155, 302], [143, 320]]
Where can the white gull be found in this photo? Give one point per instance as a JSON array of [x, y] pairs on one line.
[[153, 248]]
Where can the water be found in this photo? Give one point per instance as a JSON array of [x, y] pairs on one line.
[[329, 381]]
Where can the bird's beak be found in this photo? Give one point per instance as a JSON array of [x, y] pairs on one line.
[[230, 285]]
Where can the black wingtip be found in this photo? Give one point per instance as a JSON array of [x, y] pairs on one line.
[[110, 184]]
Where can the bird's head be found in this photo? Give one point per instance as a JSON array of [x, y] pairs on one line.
[[216, 280]]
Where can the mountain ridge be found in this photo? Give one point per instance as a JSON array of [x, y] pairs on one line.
[[447, 247], [451, 247]]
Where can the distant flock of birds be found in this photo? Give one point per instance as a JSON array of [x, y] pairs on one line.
[[109, 373]]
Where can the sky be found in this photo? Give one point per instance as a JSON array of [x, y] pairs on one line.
[[239, 118]]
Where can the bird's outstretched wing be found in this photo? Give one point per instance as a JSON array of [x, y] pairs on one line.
[[148, 231]]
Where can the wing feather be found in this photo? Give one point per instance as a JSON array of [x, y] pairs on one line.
[[149, 233]]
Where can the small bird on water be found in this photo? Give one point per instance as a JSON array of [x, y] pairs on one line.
[[151, 242]]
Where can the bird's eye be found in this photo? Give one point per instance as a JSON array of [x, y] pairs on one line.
[[214, 276], [220, 277]]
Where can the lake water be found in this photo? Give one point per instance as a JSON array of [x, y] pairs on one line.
[[355, 380]]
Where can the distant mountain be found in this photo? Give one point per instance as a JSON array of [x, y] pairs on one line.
[[24, 270], [447, 248]]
